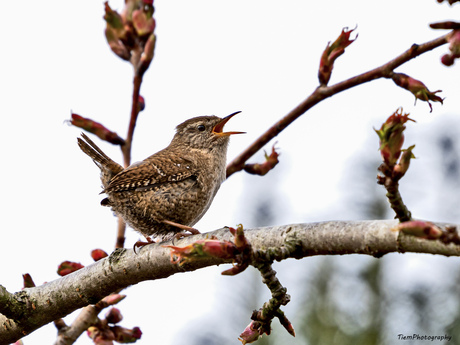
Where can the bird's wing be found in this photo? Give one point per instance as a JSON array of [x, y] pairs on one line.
[[152, 172]]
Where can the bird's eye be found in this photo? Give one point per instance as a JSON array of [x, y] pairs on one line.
[[201, 128]]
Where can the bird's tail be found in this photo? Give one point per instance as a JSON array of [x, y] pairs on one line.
[[109, 168]]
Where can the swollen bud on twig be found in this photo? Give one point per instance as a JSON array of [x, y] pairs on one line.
[[116, 33], [98, 254], [250, 333], [401, 168], [262, 169], [332, 52], [101, 336], [202, 248], [392, 137], [454, 47], [113, 315], [286, 323], [28, 282], [116, 45], [114, 20], [140, 104], [147, 54], [68, 267], [420, 228], [418, 89], [125, 335], [239, 251], [243, 250], [394, 164], [130, 34], [112, 299], [453, 39], [96, 128], [143, 22]]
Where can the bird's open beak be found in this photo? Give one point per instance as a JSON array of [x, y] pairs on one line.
[[218, 129]]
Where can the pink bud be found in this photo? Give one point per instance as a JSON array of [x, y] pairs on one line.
[[420, 229], [401, 168], [96, 128], [92, 331], [116, 44], [113, 315], [143, 22], [147, 55], [241, 242], [113, 299], [331, 53], [418, 89], [125, 335], [454, 46], [392, 137], [262, 169], [202, 248], [68, 267], [447, 59], [141, 103], [98, 254], [250, 334], [28, 281], [453, 39], [112, 17], [101, 336]]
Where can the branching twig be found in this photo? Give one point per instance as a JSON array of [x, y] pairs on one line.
[[132, 38], [323, 92], [262, 318], [88, 316], [69, 334], [396, 161]]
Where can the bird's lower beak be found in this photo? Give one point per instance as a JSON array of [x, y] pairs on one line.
[[218, 129]]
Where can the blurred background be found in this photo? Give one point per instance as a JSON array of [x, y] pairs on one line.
[[217, 57]]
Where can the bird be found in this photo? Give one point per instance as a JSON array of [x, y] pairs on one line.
[[167, 193]]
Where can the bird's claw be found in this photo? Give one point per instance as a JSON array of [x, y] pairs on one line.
[[140, 244]]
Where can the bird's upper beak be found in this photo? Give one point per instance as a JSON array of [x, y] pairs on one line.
[[218, 129]]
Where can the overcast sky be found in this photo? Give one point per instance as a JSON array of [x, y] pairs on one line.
[[212, 57]]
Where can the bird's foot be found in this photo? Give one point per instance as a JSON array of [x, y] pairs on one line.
[[140, 244], [181, 234], [192, 231]]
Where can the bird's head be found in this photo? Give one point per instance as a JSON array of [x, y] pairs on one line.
[[204, 132]]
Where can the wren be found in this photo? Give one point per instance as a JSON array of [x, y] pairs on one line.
[[171, 190]]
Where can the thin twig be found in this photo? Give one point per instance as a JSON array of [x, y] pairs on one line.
[[120, 242], [126, 148], [391, 184], [323, 92]]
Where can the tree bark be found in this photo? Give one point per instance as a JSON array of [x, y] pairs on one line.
[[25, 311]]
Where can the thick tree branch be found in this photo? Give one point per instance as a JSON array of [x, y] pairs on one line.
[[323, 92], [27, 310]]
